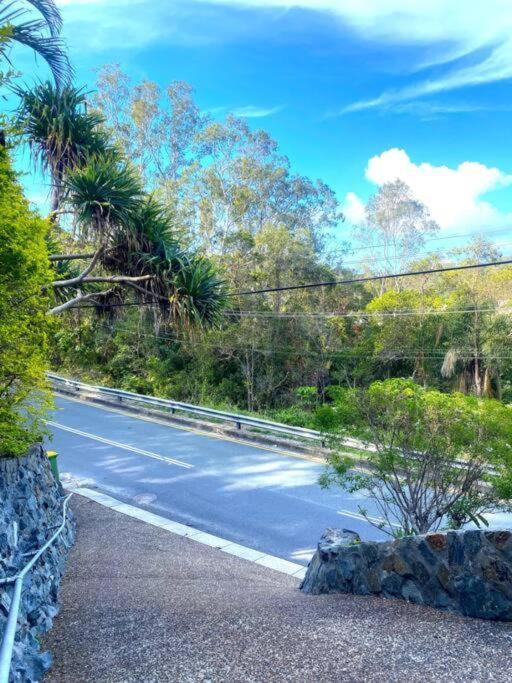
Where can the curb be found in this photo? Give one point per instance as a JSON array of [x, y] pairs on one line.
[[243, 552]]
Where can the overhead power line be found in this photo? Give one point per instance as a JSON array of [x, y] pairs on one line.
[[331, 283], [369, 314], [403, 354], [390, 259], [461, 235], [371, 278]]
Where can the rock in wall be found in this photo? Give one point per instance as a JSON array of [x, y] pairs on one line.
[[30, 511], [469, 572]]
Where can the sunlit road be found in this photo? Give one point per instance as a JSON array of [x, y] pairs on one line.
[[253, 496]]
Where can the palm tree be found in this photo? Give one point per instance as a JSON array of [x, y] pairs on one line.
[[185, 286], [61, 132], [37, 30], [103, 194], [138, 249]]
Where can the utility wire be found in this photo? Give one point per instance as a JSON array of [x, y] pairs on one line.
[[419, 255], [371, 278], [279, 350], [367, 314], [332, 283], [481, 234]]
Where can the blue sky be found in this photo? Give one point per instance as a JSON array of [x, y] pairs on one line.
[[357, 92]]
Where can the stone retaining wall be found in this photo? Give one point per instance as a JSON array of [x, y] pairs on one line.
[[469, 572], [30, 512]]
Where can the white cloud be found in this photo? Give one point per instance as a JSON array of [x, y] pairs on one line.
[[453, 29], [453, 196], [353, 209], [252, 112]]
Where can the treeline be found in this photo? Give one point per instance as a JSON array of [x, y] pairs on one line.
[[291, 354]]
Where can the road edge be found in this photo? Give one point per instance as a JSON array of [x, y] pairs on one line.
[[243, 552]]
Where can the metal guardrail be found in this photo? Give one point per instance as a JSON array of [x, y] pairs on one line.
[[173, 406], [239, 420], [12, 618]]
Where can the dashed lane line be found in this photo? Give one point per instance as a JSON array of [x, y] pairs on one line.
[[124, 446]]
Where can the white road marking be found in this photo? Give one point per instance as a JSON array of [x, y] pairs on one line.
[[356, 515], [126, 447], [193, 430]]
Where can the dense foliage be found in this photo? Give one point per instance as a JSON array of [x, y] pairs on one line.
[[23, 321], [237, 201], [428, 454]]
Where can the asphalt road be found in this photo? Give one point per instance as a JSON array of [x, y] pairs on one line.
[[251, 495]]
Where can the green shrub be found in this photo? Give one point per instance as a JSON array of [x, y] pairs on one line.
[[308, 396], [325, 418], [431, 452], [345, 404], [298, 417], [24, 270]]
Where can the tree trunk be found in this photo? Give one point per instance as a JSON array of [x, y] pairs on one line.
[[56, 189]]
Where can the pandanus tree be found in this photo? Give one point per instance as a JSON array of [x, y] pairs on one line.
[[60, 130], [137, 252], [132, 240], [35, 24]]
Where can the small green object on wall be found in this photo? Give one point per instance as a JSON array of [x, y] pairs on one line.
[[52, 455]]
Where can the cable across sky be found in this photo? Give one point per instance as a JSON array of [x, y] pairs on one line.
[[331, 283], [370, 278]]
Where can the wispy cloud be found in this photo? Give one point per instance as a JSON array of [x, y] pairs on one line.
[[496, 67], [94, 26], [470, 39], [464, 44], [252, 112], [423, 108]]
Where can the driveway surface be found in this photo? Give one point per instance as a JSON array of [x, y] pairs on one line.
[[142, 604]]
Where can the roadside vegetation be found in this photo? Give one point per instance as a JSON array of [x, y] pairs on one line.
[[107, 239], [24, 325], [433, 459], [235, 199], [165, 224], [419, 367]]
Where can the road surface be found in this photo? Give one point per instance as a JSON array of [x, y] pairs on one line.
[[251, 495]]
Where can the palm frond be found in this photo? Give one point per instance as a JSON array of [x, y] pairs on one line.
[[60, 131], [185, 287], [40, 34], [103, 193], [199, 296], [50, 13]]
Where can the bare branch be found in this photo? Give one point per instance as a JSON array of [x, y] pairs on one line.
[[70, 282], [120, 279], [132, 284], [76, 300], [71, 257]]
